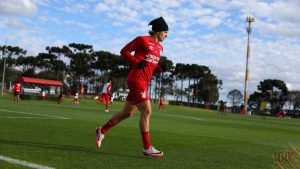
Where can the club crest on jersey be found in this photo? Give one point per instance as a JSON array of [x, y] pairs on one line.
[[143, 94]]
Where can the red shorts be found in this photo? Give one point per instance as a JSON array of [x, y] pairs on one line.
[[105, 96], [17, 93], [137, 93]]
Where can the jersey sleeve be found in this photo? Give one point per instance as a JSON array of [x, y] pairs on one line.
[[126, 51], [108, 88]]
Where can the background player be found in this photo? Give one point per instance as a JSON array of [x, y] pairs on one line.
[[106, 94], [76, 99], [161, 103], [17, 91]]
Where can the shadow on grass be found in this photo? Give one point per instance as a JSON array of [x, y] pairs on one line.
[[65, 148]]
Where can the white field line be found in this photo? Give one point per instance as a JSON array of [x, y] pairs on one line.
[[179, 116], [24, 163], [44, 115], [3, 117]]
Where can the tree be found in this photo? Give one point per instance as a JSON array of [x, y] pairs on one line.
[[58, 65], [294, 99], [179, 73], [11, 53], [166, 81], [273, 91], [81, 60], [198, 72], [235, 97], [208, 88]]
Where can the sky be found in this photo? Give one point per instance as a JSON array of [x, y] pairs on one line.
[[204, 32]]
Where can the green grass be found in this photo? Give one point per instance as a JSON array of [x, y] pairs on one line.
[[190, 138]]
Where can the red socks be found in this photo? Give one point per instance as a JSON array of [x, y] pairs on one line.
[[106, 105], [145, 135], [106, 127], [146, 140]]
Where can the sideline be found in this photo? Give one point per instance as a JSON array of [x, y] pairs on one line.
[[24, 163], [44, 115]]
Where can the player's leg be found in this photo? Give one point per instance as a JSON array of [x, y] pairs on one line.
[[101, 99], [18, 98], [15, 97], [126, 112], [146, 110], [106, 102]]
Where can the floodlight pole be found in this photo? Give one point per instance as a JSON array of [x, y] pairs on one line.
[[249, 19], [3, 73]]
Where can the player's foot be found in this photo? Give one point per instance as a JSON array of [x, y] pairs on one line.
[[106, 110], [152, 152], [99, 137]]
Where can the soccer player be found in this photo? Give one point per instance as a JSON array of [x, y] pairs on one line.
[[17, 91], [222, 108], [43, 95], [106, 94], [59, 98], [76, 101], [147, 52], [242, 107], [161, 103]]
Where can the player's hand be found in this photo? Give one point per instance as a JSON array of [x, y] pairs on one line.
[[141, 64]]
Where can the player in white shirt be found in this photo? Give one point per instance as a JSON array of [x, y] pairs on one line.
[[106, 94]]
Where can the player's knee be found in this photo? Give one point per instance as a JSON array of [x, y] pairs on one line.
[[147, 113]]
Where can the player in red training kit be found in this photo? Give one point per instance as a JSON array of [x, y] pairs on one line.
[[147, 52], [76, 98], [17, 92], [106, 94], [161, 103]]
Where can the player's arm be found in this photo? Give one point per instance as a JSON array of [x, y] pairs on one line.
[[126, 51], [108, 89]]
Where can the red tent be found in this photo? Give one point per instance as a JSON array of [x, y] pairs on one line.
[[40, 81]]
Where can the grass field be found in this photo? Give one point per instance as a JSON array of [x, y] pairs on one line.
[[62, 137]]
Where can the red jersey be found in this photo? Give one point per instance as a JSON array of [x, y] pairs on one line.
[[17, 87], [145, 48], [161, 101]]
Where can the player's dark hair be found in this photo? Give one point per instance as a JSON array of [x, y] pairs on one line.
[[151, 32]]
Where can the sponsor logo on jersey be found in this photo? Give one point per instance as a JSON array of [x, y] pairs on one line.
[[152, 58], [150, 47], [143, 94]]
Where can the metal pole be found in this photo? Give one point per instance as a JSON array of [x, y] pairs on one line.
[[3, 73], [249, 20]]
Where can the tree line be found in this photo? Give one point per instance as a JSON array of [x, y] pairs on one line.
[[78, 65], [272, 91]]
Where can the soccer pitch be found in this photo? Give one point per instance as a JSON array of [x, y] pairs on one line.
[[47, 135]]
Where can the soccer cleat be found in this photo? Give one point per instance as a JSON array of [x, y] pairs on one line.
[[152, 152], [99, 137], [106, 110]]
